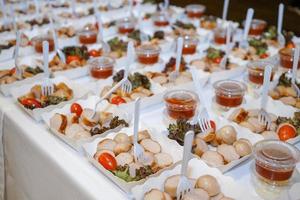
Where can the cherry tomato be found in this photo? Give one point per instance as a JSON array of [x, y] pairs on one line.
[[286, 131], [76, 108], [264, 55], [291, 45], [217, 60], [31, 103], [107, 161], [72, 58], [117, 100], [95, 53], [213, 124]]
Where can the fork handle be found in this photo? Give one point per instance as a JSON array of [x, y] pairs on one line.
[[249, 17], [100, 25], [188, 140], [295, 64], [136, 119], [53, 32], [178, 53], [197, 86], [266, 84], [280, 18], [46, 58], [130, 57], [225, 9]]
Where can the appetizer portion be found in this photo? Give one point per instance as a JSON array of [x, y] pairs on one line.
[[205, 187], [181, 28], [270, 37], [141, 87], [211, 62], [285, 93], [118, 47], [76, 56], [35, 99], [258, 49], [116, 155], [82, 123], [215, 147], [208, 22], [8, 76], [163, 78]]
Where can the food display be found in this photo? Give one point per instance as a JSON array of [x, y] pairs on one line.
[[211, 62], [284, 92], [141, 87], [8, 76], [35, 98], [116, 155], [81, 123], [76, 56], [216, 93]]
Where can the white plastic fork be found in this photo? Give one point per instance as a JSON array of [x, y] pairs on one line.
[[244, 42], [280, 37], [56, 44], [184, 185], [228, 44], [137, 148], [294, 71], [107, 94], [127, 85], [143, 37], [105, 45], [225, 10], [19, 70], [263, 117], [174, 74], [202, 116], [47, 85]]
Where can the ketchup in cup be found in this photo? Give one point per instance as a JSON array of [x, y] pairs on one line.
[[195, 10], [87, 37], [229, 93], [160, 19], [256, 71], [126, 25], [37, 42], [189, 45], [220, 36], [275, 161], [148, 54], [287, 58], [101, 67], [257, 27], [181, 104]]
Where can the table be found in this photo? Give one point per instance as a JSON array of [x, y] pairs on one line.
[[40, 166]]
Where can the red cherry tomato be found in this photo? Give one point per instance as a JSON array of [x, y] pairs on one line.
[[31, 103], [264, 55], [72, 58], [286, 131], [213, 125], [117, 100], [76, 108], [217, 60], [107, 161], [94, 53]]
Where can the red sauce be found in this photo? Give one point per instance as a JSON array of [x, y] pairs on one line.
[[148, 59], [257, 76], [286, 59], [88, 38], [161, 23], [181, 108], [193, 14], [220, 39], [271, 173], [126, 30], [38, 46], [229, 101], [256, 31], [101, 73], [189, 49]]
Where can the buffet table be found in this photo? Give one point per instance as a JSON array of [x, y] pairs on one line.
[[39, 161]]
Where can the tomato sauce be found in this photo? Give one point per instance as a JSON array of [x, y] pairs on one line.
[[189, 49], [88, 38], [193, 14], [125, 30], [38, 46], [161, 23], [148, 59], [101, 73], [181, 108]]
